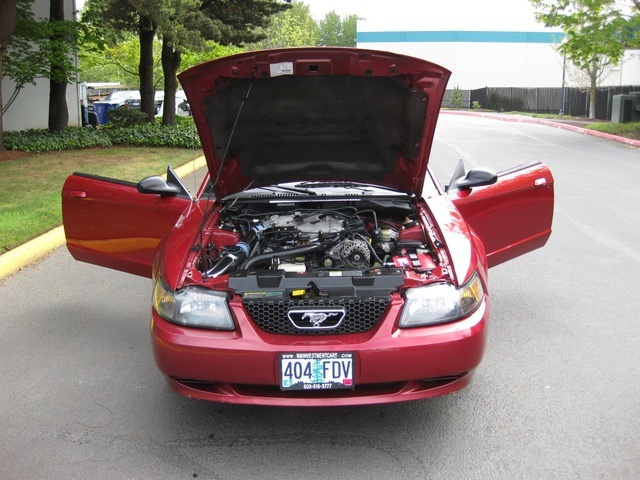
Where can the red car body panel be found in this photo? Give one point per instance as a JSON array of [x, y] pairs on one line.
[[392, 364], [512, 216], [176, 239], [463, 254], [109, 223]]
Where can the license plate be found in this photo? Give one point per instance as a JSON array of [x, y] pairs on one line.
[[316, 371]]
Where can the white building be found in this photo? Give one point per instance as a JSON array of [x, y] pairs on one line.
[[495, 43], [31, 107]]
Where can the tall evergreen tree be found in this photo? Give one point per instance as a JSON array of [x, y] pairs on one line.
[[60, 71]]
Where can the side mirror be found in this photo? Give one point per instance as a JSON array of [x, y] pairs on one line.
[[157, 184], [477, 177]]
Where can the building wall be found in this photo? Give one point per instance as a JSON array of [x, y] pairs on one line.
[[627, 73], [480, 59], [31, 107], [495, 43]]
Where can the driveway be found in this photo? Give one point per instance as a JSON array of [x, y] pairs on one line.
[[557, 395]]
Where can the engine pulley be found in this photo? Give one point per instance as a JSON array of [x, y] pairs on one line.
[[355, 254]]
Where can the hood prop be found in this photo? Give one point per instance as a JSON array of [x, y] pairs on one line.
[[231, 259]]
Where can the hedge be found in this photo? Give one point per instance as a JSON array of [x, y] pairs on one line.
[[182, 135]]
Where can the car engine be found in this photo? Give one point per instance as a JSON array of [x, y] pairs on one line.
[[303, 240]]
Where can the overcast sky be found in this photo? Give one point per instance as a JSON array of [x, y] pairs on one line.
[[319, 8], [418, 15]]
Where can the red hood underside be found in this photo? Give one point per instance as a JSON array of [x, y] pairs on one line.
[[315, 114]]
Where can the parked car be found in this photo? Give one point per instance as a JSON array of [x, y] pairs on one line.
[[127, 98], [182, 105], [321, 262], [135, 102]]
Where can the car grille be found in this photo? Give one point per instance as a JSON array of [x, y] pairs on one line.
[[362, 314]]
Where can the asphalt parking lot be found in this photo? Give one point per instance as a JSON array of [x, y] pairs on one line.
[[556, 396]]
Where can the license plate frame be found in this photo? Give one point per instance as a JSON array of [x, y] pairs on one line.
[[316, 371]]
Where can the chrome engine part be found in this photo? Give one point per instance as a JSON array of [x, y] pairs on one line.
[[311, 224]]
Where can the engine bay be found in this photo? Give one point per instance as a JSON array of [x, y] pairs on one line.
[[345, 238]]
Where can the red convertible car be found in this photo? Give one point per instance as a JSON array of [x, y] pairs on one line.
[[321, 262]]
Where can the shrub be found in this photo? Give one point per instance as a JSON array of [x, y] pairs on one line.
[[40, 140], [182, 135], [123, 117], [457, 98], [185, 121], [476, 105]]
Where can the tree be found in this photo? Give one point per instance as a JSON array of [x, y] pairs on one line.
[[337, 32], [595, 35], [114, 19], [61, 69], [633, 28], [187, 25], [7, 26], [182, 24], [211, 50], [294, 27], [147, 31], [117, 63], [39, 48], [349, 36]]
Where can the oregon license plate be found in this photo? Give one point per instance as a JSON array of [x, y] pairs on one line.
[[316, 371]]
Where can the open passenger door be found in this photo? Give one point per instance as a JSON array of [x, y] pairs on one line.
[[111, 223], [511, 216]]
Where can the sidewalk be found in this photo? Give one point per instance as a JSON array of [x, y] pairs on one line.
[[27, 253]]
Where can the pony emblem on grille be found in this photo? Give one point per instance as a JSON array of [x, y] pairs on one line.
[[316, 319]]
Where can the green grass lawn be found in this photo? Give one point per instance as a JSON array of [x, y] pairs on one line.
[[30, 184], [629, 130]]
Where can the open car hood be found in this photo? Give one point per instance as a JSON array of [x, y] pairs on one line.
[[315, 114]]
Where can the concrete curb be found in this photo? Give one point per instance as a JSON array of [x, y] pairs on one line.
[[27, 253], [23, 255], [542, 121]]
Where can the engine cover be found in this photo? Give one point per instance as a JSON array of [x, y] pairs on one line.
[[310, 223]]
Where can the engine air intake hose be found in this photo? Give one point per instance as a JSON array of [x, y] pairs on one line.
[[289, 253], [238, 253]]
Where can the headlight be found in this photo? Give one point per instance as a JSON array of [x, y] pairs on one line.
[[192, 307], [440, 303]]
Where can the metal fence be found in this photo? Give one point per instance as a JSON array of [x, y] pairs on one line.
[[544, 100]]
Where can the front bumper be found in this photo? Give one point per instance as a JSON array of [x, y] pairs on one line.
[[391, 364]]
